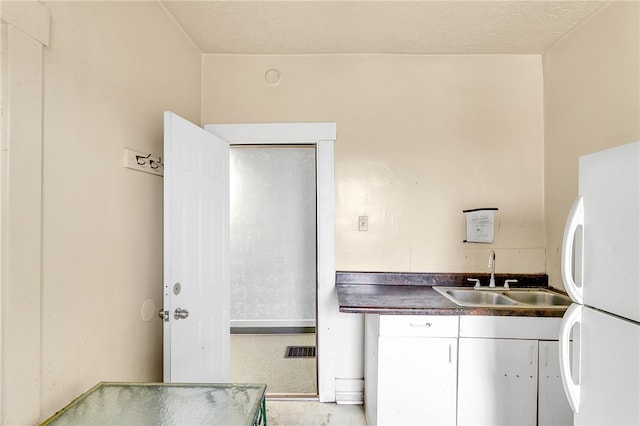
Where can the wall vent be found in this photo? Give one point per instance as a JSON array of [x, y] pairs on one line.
[[300, 352]]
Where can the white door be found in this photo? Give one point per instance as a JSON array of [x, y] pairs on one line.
[[196, 253], [497, 382], [417, 380], [553, 406]]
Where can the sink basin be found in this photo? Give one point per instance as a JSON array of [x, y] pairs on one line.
[[538, 298], [475, 297], [500, 297]]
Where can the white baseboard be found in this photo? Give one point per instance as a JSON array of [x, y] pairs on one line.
[[272, 323], [350, 391]]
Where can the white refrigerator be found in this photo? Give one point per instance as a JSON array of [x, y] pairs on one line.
[[600, 332]]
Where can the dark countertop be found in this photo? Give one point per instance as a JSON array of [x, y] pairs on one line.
[[412, 294]]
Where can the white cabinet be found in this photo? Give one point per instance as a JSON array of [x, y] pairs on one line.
[[553, 407], [468, 370], [508, 372], [410, 370], [498, 381]]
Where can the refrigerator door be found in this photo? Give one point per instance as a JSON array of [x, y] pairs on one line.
[[609, 368], [609, 184]]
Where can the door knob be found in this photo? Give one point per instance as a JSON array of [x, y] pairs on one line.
[[180, 313]]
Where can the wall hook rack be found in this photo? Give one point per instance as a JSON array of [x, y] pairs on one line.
[[142, 162]]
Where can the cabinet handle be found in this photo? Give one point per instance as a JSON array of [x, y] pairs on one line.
[[426, 324], [449, 353], [533, 354], [546, 356]]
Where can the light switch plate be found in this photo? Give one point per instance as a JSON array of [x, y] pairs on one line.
[[363, 223]]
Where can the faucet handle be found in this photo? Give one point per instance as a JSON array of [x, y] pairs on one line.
[[506, 283], [477, 281]]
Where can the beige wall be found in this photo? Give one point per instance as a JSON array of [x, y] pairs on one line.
[[110, 70], [420, 138], [591, 102]]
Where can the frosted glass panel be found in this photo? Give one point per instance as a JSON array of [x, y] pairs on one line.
[[273, 234], [164, 404]]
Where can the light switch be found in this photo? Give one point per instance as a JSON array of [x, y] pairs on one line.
[[363, 223]]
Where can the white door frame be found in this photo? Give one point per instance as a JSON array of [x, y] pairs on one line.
[[24, 28], [322, 136]]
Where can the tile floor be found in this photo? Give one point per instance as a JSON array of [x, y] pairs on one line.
[[313, 413]]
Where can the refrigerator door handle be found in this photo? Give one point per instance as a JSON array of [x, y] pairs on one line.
[[572, 317], [574, 224]]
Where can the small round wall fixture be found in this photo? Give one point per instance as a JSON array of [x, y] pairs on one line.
[[272, 76]]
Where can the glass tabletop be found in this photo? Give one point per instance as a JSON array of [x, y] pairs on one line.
[[163, 404]]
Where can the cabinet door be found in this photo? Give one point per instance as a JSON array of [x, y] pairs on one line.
[[417, 380], [497, 382], [553, 406]]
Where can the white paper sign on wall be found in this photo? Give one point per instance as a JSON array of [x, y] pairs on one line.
[[480, 225]]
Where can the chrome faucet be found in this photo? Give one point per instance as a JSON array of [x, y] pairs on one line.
[[492, 265]]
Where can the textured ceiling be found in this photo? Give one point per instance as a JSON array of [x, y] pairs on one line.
[[341, 26]]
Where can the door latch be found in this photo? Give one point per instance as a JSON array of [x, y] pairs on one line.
[[180, 313], [163, 315]]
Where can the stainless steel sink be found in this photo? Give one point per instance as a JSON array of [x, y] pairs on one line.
[[478, 297], [538, 298], [501, 297]]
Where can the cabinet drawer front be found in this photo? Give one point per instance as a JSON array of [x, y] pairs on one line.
[[419, 325], [508, 327]]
